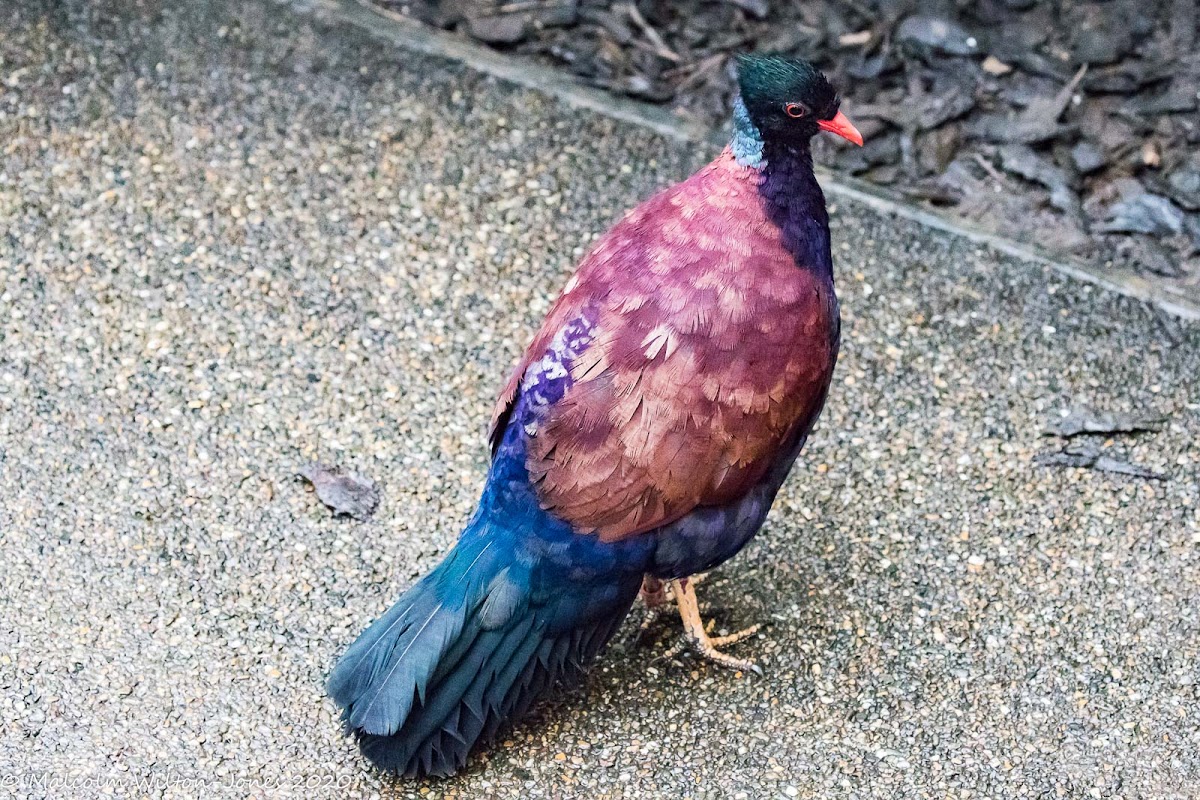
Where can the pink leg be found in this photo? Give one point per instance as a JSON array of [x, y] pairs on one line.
[[696, 632]]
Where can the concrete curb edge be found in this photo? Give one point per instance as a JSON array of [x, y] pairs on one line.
[[413, 36]]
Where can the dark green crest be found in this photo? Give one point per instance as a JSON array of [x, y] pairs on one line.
[[785, 97]]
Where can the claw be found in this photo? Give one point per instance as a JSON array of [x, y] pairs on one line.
[[696, 633]]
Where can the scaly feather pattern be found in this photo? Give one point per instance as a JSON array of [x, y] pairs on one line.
[[697, 349]]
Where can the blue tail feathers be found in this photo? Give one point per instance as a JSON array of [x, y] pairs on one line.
[[469, 648]]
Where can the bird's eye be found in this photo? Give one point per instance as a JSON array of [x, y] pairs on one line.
[[796, 110]]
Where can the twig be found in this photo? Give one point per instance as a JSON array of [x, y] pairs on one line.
[[527, 5], [990, 169], [1073, 84], [660, 47], [1063, 98], [698, 71], [386, 12]]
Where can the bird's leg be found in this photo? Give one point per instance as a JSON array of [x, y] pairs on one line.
[[654, 591], [696, 632], [654, 595]]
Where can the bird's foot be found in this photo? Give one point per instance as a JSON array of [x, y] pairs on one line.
[[696, 632]]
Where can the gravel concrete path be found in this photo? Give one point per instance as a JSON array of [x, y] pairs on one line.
[[234, 242]]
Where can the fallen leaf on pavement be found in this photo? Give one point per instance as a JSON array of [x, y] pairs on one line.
[[346, 493], [1088, 456], [1087, 421]]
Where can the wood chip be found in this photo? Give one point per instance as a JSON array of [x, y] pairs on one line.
[[1151, 156], [855, 39], [994, 66]]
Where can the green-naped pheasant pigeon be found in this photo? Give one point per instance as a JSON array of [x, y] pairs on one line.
[[640, 440]]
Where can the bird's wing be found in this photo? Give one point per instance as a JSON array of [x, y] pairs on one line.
[[674, 366]]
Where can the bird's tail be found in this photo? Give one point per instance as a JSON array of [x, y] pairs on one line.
[[465, 650]]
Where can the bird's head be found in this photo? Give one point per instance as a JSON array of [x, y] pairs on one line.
[[788, 100]]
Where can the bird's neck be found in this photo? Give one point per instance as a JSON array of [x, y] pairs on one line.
[[747, 142], [796, 204], [793, 197]]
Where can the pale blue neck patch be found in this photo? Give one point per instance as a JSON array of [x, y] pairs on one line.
[[747, 142]]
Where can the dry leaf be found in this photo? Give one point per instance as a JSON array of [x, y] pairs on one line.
[[1090, 457], [346, 493]]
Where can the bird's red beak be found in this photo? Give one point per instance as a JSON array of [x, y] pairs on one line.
[[842, 126]]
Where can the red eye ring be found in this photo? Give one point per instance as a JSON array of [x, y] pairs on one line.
[[795, 110]]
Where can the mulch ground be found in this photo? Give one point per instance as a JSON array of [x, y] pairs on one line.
[[1072, 125]]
